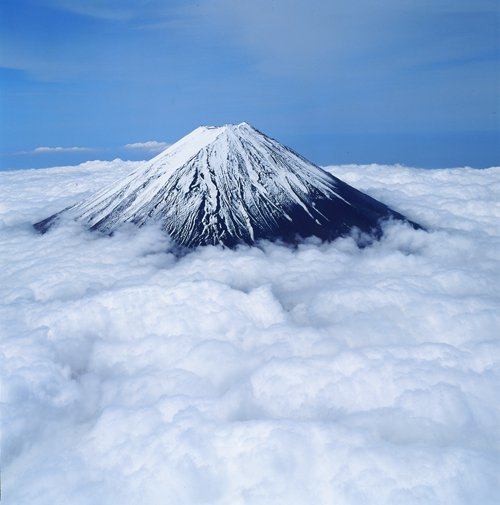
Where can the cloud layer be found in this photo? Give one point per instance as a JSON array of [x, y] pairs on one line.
[[322, 374]]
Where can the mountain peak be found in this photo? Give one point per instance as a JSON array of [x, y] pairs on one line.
[[233, 126], [227, 185]]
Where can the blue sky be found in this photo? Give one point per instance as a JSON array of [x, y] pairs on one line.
[[399, 81]]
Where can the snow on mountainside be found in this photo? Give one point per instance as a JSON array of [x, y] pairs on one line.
[[230, 185]]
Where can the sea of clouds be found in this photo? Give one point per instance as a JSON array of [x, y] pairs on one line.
[[325, 374]]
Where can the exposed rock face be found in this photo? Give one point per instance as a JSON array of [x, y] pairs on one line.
[[229, 185]]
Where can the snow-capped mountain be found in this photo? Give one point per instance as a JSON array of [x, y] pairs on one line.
[[228, 185]]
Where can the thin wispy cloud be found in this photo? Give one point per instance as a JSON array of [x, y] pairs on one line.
[[113, 10], [150, 145], [73, 149], [346, 33]]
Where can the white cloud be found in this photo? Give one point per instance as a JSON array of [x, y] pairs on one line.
[[151, 145], [74, 149], [322, 374]]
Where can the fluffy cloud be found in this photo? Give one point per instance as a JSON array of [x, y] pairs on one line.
[[151, 145], [321, 374]]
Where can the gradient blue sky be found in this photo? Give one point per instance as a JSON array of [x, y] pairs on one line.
[[341, 81]]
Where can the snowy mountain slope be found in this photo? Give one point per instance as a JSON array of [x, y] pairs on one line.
[[230, 185]]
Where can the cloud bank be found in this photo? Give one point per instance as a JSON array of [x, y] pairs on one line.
[[322, 374]]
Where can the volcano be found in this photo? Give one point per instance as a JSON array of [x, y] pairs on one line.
[[231, 185]]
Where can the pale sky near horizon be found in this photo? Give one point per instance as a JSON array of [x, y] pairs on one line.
[[399, 81]]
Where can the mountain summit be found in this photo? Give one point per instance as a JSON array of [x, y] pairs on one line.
[[229, 185]]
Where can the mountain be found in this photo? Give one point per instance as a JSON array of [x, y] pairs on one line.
[[229, 185]]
